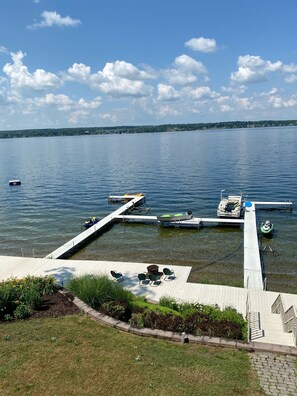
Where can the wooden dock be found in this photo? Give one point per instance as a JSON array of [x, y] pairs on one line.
[[81, 239]]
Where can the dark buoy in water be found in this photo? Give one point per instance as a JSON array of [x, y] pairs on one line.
[[15, 182]]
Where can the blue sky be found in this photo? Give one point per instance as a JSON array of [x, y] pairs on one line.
[[68, 63]]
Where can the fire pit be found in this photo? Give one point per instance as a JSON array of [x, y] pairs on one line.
[[153, 269]]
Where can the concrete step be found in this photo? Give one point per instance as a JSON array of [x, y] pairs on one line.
[[273, 330]]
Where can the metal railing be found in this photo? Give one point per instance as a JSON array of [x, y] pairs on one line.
[[247, 316], [289, 319]]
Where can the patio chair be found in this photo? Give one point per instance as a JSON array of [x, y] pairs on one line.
[[169, 274], [117, 276], [155, 280], [143, 280]]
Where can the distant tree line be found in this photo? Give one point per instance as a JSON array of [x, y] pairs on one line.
[[143, 129]]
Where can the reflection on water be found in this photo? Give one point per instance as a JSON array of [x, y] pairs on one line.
[[67, 179]]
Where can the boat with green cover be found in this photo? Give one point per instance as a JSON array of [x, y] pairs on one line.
[[168, 218]]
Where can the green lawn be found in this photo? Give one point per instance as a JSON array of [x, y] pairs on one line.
[[77, 356]]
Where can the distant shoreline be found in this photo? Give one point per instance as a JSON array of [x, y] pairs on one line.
[[82, 131]]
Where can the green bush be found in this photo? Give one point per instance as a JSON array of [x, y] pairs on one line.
[[8, 299], [137, 320], [116, 309], [31, 296], [199, 319], [22, 311], [28, 291], [44, 284], [140, 304], [169, 302]]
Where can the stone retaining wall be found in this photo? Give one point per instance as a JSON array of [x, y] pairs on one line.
[[176, 337]]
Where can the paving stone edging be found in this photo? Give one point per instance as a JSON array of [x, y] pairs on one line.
[[176, 337]]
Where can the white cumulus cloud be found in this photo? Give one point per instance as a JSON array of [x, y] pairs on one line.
[[19, 76], [254, 69], [202, 44], [185, 71], [167, 93], [185, 62], [278, 103], [52, 18], [198, 93], [118, 79], [125, 70]]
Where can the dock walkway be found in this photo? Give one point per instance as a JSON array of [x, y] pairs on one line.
[[253, 278], [81, 239]]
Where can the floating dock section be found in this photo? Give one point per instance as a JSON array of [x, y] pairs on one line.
[[69, 247]]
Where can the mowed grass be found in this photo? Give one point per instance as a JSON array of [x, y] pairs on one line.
[[75, 355]]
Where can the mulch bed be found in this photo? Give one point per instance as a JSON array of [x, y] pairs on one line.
[[55, 305]]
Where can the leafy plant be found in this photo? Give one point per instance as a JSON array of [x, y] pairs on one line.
[[31, 296], [22, 311], [116, 309], [137, 320], [28, 291]]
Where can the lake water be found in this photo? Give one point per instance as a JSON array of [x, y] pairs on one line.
[[66, 179]]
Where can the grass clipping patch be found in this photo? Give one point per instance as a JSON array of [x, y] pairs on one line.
[[77, 356]]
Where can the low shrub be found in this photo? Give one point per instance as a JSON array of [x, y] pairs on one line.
[[209, 320], [137, 320], [117, 309], [95, 290], [22, 311], [154, 319], [137, 304], [160, 321], [31, 296], [169, 302], [27, 291], [8, 299]]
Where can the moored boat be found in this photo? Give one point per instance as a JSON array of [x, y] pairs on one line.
[[167, 218], [230, 206], [267, 227]]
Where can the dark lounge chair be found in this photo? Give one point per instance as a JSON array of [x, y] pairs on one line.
[[169, 274], [117, 276], [143, 280], [155, 280]]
